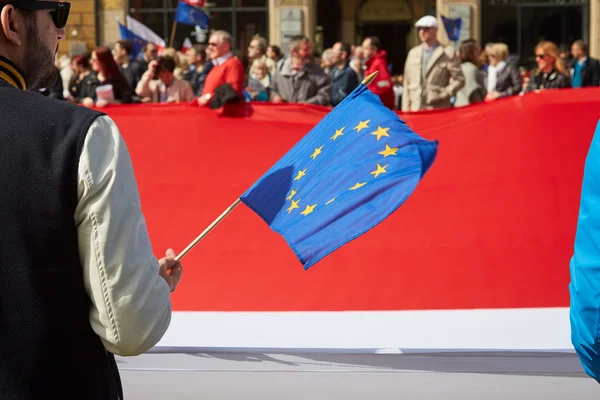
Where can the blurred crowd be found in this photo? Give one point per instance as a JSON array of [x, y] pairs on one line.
[[435, 76]]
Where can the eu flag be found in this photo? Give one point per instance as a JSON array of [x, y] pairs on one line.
[[136, 41], [350, 172], [452, 26], [190, 15]]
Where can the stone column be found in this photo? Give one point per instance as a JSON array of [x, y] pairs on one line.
[[594, 28], [108, 13], [305, 9]]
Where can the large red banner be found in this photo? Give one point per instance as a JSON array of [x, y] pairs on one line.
[[491, 225]]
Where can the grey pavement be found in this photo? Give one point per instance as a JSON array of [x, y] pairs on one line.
[[429, 376]]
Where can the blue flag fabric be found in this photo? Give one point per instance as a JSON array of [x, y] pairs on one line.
[[351, 171], [190, 15], [585, 267], [136, 41], [452, 26]]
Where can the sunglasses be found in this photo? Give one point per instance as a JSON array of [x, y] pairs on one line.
[[59, 13], [538, 56]]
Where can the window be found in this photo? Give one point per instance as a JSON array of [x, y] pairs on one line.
[[522, 24], [251, 3], [249, 24], [242, 18]]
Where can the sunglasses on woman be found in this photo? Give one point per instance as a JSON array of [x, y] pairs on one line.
[[59, 13]]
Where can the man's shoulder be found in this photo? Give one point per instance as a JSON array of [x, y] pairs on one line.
[[29, 99], [415, 50], [449, 51], [234, 61]]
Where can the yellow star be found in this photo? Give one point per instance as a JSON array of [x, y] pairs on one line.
[[293, 206], [381, 132], [291, 196], [389, 151], [308, 210], [380, 170], [357, 186], [362, 125], [330, 201], [316, 153], [300, 174], [338, 133]]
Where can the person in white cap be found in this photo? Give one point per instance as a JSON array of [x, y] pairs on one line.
[[432, 74]]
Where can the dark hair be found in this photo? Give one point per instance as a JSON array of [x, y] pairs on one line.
[[200, 50], [109, 68], [276, 49], [82, 60], [582, 45], [468, 51], [165, 63], [126, 45], [146, 46], [375, 42], [346, 47]]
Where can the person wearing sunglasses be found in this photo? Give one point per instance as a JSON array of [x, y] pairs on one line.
[[551, 72], [79, 280]]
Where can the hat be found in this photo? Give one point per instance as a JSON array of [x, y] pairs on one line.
[[427, 21]]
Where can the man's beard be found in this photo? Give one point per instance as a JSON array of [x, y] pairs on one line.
[[39, 70]]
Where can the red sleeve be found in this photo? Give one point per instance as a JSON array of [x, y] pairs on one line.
[[235, 76], [383, 81]]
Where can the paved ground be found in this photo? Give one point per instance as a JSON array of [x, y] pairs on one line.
[[448, 376]]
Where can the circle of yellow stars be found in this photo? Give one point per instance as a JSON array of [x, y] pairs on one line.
[[379, 133]]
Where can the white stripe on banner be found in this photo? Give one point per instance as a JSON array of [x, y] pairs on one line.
[[144, 32], [373, 331]]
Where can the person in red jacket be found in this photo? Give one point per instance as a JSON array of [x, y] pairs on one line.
[[377, 61], [227, 69]]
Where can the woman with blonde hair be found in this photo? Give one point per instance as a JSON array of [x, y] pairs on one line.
[[551, 72], [502, 79]]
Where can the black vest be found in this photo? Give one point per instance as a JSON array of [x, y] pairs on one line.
[[47, 346]]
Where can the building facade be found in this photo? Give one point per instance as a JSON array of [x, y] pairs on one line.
[[519, 23]]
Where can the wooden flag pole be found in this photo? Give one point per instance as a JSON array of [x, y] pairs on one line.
[[207, 230], [173, 32], [232, 207]]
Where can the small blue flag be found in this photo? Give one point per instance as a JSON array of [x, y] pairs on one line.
[[190, 15], [351, 171], [585, 267], [452, 26], [137, 42]]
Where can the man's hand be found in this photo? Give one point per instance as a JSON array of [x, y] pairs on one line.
[[277, 99], [203, 100], [492, 96], [169, 270], [152, 68]]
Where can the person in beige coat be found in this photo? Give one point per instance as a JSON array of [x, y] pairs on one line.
[[159, 85], [432, 74]]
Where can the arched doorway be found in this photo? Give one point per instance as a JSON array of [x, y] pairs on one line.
[[391, 21], [328, 23]]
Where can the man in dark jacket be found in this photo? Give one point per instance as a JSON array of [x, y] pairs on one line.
[[343, 78], [79, 281], [199, 68], [585, 71]]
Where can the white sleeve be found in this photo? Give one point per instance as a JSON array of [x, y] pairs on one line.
[[131, 307]]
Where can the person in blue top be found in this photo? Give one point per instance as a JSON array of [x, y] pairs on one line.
[[585, 71], [584, 288]]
